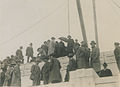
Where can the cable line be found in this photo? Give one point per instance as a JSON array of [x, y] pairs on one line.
[[31, 27]]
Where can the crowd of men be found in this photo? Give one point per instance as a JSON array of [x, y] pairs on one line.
[[48, 53]]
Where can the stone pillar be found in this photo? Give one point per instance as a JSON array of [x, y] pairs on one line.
[[83, 78]]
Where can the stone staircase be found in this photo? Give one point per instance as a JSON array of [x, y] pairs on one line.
[[82, 77]]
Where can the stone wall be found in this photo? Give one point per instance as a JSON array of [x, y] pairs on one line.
[[105, 57]]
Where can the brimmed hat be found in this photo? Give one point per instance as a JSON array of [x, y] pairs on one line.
[[53, 38], [30, 44], [70, 55], [21, 47], [13, 63], [68, 36], [93, 42], [84, 43], [116, 43], [105, 64]]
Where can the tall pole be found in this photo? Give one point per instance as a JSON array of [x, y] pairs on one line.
[[95, 23], [81, 20], [68, 19]]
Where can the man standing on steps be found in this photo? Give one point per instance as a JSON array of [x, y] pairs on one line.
[[82, 56], [19, 55], [70, 45], [95, 60], [29, 52], [117, 54]]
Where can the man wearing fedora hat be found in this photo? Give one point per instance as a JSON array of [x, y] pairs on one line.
[[35, 73], [105, 72], [29, 52], [117, 54], [95, 54], [82, 56], [45, 71], [51, 46], [70, 44], [19, 54]]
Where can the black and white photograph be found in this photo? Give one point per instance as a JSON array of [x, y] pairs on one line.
[[59, 43]]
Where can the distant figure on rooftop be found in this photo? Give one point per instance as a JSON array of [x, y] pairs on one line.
[[105, 72], [70, 44], [51, 46], [117, 54], [19, 55], [29, 52], [95, 60]]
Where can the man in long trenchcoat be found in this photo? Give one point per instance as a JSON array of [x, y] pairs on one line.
[[19, 54], [8, 76], [45, 71], [76, 46], [16, 76], [82, 56], [54, 75], [70, 67], [95, 57], [117, 54], [70, 45], [2, 77], [29, 52], [51, 46], [35, 74], [62, 49]]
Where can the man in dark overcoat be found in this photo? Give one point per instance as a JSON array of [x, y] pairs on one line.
[[29, 52], [71, 66], [19, 54], [70, 44], [95, 57], [35, 74], [117, 54], [45, 71], [82, 56], [55, 75]]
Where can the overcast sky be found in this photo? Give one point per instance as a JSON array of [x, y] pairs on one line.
[[18, 15]]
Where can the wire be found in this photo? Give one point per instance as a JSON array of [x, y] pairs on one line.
[[113, 7], [116, 4], [31, 27]]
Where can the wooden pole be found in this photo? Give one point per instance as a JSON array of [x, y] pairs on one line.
[[81, 20], [95, 23]]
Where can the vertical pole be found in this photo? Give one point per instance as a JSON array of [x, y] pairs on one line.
[[95, 23], [68, 20], [81, 20]]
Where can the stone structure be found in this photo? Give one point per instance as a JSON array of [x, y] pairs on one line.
[[82, 77]]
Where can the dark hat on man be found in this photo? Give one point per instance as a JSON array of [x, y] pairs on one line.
[[70, 55], [30, 44], [53, 38], [68, 36], [13, 63], [116, 43], [21, 47], [93, 42], [76, 39], [105, 64], [84, 43]]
